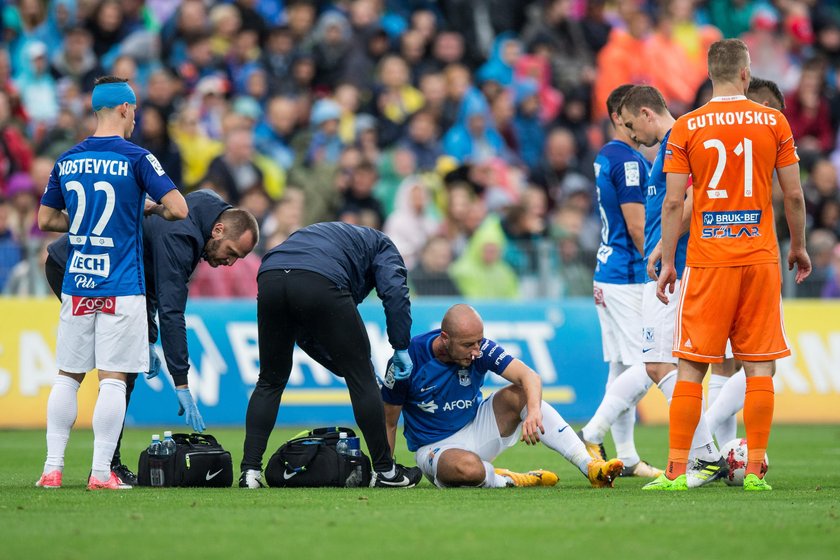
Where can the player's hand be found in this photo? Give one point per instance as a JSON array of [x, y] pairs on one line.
[[150, 207], [653, 260], [402, 364], [667, 279], [187, 406], [802, 261], [154, 363], [532, 427]]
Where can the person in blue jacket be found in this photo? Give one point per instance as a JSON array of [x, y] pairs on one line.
[[213, 231], [308, 290]]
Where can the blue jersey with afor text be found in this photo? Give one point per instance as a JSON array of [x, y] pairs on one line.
[[621, 173], [439, 399], [653, 211], [102, 182]]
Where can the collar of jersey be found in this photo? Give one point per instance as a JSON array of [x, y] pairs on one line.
[[729, 98]]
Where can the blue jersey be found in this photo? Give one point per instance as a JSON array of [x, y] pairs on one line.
[[102, 182], [620, 175], [439, 399], [653, 211]]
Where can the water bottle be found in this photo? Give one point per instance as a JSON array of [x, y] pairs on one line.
[[168, 445], [343, 444], [156, 473], [354, 447]]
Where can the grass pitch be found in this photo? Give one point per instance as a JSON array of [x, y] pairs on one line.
[[799, 519]]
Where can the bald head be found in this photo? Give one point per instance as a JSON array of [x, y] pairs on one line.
[[461, 334], [461, 318]]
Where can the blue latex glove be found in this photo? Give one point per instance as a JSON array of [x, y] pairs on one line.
[[187, 405], [154, 363], [402, 364]]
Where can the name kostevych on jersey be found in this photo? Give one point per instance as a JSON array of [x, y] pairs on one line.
[[731, 118], [94, 166]]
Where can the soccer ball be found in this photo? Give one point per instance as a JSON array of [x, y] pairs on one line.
[[735, 455]]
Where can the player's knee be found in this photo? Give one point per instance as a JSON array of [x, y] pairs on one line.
[[466, 470]]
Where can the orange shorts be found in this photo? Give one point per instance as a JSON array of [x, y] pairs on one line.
[[743, 304]]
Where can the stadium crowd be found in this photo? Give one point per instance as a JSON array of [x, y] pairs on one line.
[[464, 129]]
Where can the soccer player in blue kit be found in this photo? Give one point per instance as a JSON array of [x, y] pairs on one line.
[[621, 172], [455, 433], [102, 183]]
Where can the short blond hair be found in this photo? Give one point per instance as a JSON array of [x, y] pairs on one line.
[[726, 59]]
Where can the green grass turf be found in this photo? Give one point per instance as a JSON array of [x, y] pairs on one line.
[[799, 519]]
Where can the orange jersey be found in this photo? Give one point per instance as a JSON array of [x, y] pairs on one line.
[[731, 146]]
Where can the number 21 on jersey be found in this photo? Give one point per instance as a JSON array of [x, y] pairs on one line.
[[743, 149]]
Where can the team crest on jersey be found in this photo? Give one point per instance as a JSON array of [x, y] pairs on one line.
[[464, 377], [632, 176], [155, 164]]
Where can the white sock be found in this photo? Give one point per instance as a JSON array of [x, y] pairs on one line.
[[563, 439], [624, 389], [702, 445], [390, 473], [721, 412], [62, 408], [493, 480], [108, 416]]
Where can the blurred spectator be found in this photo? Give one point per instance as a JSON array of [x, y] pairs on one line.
[[821, 244], [732, 17], [277, 57], [473, 136], [359, 196], [422, 140], [28, 277], [106, 28], [831, 289], [238, 281], [528, 130], [196, 147], [536, 68], [820, 188], [430, 277], [234, 171], [76, 60], [23, 197], [523, 231], [769, 54], [808, 112], [286, 217], [564, 41], [273, 136], [15, 152], [396, 98], [225, 24], [189, 23], [37, 86], [413, 221], [332, 48], [573, 272], [154, 136], [10, 249], [481, 272], [557, 168]]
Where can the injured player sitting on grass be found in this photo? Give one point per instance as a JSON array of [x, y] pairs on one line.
[[456, 434]]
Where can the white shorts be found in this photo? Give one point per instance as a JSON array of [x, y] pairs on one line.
[[658, 322], [620, 314], [110, 334], [728, 354], [481, 436]]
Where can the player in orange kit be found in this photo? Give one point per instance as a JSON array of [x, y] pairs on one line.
[[731, 287]]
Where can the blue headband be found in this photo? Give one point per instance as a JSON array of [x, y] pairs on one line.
[[112, 95]]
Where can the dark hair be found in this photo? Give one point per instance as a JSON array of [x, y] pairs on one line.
[[109, 80], [366, 165], [758, 85], [643, 96], [615, 98], [237, 221]]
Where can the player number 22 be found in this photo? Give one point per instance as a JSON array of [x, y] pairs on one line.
[[743, 148], [81, 206]]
